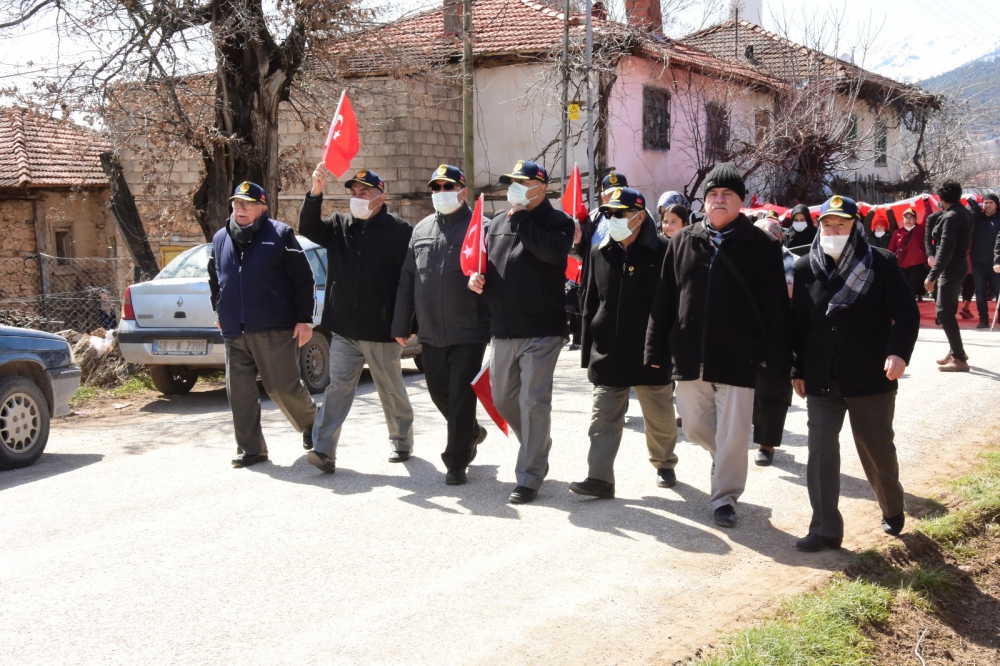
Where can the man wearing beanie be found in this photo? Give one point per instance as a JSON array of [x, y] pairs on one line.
[[985, 231], [721, 310]]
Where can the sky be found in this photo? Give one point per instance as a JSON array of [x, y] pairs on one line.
[[913, 39]]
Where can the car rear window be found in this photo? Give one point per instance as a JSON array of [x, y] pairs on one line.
[[317, 260], [190, 264]]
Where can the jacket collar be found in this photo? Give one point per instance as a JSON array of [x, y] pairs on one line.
[[739, 229], [379, 215], [463, 213]]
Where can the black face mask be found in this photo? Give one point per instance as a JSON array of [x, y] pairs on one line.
[[243, 235]]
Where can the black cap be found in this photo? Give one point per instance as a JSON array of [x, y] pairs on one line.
[[992, 197], [840, 207], [613, 180], [247, 191], [725, 175], [526, 170], [448, 174], [625, 198], [367, 177]]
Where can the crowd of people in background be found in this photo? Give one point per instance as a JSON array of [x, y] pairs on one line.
[[723, 315]]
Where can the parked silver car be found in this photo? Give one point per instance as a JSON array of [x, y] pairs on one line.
[[168, 325]]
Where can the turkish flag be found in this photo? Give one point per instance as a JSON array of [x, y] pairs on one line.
[[342, 142], [483, 391], [574, 269], [473, 257], [572, 198]]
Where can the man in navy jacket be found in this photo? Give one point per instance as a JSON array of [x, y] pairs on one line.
[[263, 293]]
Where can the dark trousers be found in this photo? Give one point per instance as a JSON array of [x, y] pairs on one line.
[[449, 372], [274, 355], [984, 280], [871, 424], [915, 276], [771, 399], [949, 286]]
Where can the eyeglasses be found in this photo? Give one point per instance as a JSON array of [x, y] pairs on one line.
[[437, 187], [621, 213], [239, 204]]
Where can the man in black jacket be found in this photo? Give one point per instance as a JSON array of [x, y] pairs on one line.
[[952, 236], [985, 236], [454, 322], [854, 327], [524, 289], [624, 270], [722, 304], [365, 254], [263, 293]]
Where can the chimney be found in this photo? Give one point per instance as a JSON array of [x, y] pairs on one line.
[[453, 18], [644, 14]]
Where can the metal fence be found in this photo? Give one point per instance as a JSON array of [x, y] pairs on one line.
[[58, 293]]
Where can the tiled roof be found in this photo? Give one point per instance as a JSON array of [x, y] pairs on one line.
[[505, 28], [786, 60], [40, 151]]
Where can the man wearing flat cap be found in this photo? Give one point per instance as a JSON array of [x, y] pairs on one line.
[[524, 288], [365, 253], [263, 293], [454, 322], [721, 310]]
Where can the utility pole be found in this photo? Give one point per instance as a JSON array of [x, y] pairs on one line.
[[590, 106], [468, 145], [565, 98]]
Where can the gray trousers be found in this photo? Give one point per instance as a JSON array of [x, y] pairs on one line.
[[274, 355], [871, 423], [521, 371], [607, 421], [347, 360], [718, 417]]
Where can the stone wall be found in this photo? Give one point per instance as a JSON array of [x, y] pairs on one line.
[[18, 267]]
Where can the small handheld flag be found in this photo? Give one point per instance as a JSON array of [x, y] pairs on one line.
[[342, 141]]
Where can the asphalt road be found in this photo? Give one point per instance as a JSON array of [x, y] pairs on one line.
[[133, 541]]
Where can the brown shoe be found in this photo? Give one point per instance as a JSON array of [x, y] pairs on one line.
[[955, 365], [946, 360]]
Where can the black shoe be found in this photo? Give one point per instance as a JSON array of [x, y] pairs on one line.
[[522, 495], [245, 459], [763, 458], [480, 437], [456, 477], [983, 324], [666, 478], [594, 488], [813, 543], [680, 423], [399, 456], [894, 525], [321, 461], [725, 516], [574, 347], [307, 438]]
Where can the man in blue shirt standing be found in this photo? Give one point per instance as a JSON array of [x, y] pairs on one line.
[[264, 294]]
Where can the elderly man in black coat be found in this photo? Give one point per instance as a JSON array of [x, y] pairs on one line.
[[721, 309], [624, 269], [854, 327]]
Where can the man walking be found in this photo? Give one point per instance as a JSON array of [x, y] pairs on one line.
[[263, 293], [454, 322], [524, 289], [985, 234], [624, 270], [952, 236], [722, 303], [365, 254]]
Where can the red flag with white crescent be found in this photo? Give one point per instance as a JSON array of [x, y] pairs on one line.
[[342, 141], [473, 258], [483, 391]]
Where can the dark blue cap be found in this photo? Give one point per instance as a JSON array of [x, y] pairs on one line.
[[614, 180], [367, 177], [839, 206], [448, 174], [526, 170], [625, 198], [247, 191]]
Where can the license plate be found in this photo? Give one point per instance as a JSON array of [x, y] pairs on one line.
[[180, 347]]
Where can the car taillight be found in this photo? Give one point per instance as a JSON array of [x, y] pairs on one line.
[[127, 312]]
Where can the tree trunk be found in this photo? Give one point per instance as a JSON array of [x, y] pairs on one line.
[[127, 218]]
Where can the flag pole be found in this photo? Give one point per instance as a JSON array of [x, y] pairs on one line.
[[590, 106]]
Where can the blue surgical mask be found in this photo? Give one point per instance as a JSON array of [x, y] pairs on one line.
[[517, 194]]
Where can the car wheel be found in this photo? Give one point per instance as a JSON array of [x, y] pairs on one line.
[[418, 361], [172, 379], [24, 422], [314, 363]]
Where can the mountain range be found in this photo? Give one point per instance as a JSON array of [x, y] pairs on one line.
[[977, 82]]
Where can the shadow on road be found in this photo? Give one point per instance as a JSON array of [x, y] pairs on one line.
[[50, 464]]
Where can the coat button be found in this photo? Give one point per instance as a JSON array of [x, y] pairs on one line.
[[833, 328]]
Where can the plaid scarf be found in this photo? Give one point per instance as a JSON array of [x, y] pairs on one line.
[[851, 276], [716, 237]]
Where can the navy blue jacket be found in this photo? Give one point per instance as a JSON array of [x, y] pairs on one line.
[[271, 289]]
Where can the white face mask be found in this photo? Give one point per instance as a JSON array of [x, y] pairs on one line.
[[799, 226], [879, 233], [618, 227], [833, 245], [445, 202], [909, 227], [360, 209], [517, 194]]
